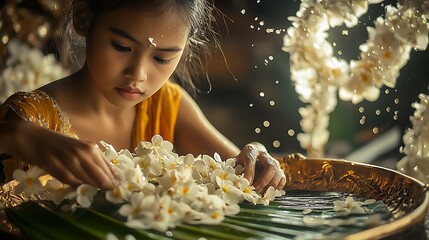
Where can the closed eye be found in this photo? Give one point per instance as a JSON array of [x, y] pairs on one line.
[[162, 61], [120, 48]]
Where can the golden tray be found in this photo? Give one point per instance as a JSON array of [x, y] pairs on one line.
[[406, 197]]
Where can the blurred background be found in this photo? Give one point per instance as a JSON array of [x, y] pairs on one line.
[[262, 105], [249, 96]]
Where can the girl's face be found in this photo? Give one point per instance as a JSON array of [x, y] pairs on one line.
[[131, 53]]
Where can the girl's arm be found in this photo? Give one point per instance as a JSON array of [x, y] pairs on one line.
[[69, 160], [195, 134]]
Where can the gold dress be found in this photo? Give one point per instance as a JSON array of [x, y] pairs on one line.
[[155, 115]]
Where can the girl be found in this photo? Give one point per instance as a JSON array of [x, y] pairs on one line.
[[122, 95]]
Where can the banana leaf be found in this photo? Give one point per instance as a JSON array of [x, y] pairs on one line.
[[282, 219]]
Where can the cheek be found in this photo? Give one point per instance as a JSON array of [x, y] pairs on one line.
[[101, 60]]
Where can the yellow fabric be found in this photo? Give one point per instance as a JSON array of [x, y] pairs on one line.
[[156, 115]]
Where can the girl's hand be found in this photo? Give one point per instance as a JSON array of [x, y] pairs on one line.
[[260, 168], [69, 160]]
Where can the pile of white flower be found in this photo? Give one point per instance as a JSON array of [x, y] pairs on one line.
[[319, 76], [416, 139], [158, 189], [27, 69]]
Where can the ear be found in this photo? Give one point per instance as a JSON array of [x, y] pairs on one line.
[[82, 18]]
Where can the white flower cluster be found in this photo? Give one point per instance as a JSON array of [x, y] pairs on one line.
[[416, 140], [159, 189], [318, 75], [27, 69]]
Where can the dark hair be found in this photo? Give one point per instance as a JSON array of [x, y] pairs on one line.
[[197, 13]]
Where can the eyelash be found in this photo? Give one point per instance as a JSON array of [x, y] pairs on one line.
[[162, 61], [121, 48]]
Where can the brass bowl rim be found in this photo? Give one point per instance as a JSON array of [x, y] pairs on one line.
[[397, 225]]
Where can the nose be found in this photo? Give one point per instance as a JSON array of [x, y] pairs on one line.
[[136, 71]]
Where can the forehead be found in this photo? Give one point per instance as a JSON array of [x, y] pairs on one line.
[[142, 24]]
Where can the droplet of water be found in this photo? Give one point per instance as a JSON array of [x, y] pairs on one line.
[[345, 32], [271, 58], [243, 11], [291, 132], [251, 105], [261, 23], [386, 91], [388, 109], [396, 101], [377, 112], [375, 130], [262, 94], [257, 130], [272, 103], [361, 109]]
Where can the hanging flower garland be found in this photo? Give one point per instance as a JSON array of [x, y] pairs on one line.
[[416, 139], [318, 75]]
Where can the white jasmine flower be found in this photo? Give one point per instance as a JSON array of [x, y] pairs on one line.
[[249, 193], [227, 191], [135, 208], [149, 164], [27, 69], [116, 195], [28, 182], [85, 195], [111, 236], [225, 173], [56, 191], [269, 195], [349, 205]]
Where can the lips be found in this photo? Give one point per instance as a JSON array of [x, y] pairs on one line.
[[129, 92]]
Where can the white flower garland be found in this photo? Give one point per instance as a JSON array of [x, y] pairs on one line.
[[27, 69], [416, 139], [158, 189], [318, 75]]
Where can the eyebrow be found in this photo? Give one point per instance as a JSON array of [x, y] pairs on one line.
[[124, 34]]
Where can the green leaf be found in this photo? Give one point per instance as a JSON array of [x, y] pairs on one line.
[[41, 223]]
